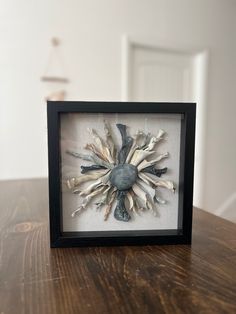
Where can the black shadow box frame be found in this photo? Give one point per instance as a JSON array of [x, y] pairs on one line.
[[182, 235]]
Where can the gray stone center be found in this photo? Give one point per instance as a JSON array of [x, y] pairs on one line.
[[123, 176]]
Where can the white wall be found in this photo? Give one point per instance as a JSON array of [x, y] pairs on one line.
[[91, 35]]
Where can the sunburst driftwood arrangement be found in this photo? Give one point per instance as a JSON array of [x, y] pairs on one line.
[[127, 176]]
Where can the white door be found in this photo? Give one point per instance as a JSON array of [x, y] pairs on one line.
[[160, 75], [169, 75]]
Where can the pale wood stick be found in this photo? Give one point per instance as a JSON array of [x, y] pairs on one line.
[[110, 141], [86, 200], [131, 201], [139, 155], [93, 158], [76, 181], [146, 163], [104, 180], [103, 148], [94, 149], [158, 183], [109, 205], [135, 145], [154, 140]]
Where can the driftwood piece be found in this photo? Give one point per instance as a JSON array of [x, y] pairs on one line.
[[86, 201], [145, 141], [104, 199], [145, 163], [159, 200], [135, 145], [76, 181], [127, 142], [150, 195], [158, 183], [102, 181], [93, 158], [143, 195], [157, 172], [101, 145], [90, 188], [102, 202], [139, 155], [85, 169], [131, 200], [108, 208], [110, 141], [145, 180], [120, 212], [96, 151], [136, 205], [154, 140]]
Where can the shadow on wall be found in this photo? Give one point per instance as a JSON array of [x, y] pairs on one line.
[[227, 209]]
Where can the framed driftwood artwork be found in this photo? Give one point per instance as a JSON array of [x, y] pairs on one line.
[[120, 173]]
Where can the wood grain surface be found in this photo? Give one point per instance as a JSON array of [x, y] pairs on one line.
[[148, 279]]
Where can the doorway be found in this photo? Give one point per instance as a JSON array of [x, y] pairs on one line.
[[169, 73]]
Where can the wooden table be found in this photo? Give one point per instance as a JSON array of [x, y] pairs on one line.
[[148, 279]]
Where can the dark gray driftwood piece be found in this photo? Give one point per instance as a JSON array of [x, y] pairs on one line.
[[127, 142], [85, 169], [123, 176], [120, 212], [153, 170]]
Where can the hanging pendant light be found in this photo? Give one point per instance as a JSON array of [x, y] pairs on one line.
[[54, 75]]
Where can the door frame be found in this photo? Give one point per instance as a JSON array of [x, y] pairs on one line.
[[200, 77]]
